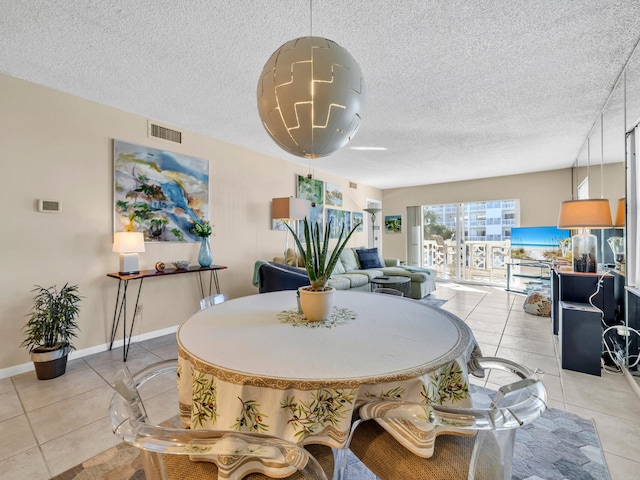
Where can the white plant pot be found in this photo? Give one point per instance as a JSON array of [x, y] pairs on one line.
[[316, 306]]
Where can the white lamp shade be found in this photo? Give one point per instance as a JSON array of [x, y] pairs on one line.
[[290, 208], [592, 213], [128, 242], [311, 97]]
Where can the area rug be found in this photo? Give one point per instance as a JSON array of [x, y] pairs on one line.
[[557, 446]]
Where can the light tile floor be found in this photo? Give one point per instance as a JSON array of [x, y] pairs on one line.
[[49, 426]]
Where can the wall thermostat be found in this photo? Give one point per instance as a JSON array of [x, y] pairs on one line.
[[49, 206]]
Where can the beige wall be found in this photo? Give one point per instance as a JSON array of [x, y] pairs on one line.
[[59, 147], [540, 196]]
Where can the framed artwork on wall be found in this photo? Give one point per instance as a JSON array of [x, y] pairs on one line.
[[393, 224], [358, 217], [278, 224], [312, 190], [338, 218], [333, 195], [159, 193]]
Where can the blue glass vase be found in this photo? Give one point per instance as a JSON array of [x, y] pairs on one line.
[[204, 255]]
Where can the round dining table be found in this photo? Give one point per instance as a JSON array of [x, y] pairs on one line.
[[253, 364]]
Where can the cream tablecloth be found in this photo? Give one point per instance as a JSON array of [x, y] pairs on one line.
[[244, 367]]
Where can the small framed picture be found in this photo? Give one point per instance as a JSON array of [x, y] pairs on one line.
[[393, 223]]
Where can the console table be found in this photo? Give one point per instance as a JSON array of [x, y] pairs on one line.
[[123, 284], [536, 272]]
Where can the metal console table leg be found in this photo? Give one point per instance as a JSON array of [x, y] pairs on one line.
[[121, 312]]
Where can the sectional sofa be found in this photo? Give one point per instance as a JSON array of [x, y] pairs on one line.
[[354, 270]]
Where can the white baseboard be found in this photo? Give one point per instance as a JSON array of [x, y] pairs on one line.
[[85, 352]]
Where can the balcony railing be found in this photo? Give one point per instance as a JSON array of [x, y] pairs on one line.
[[479, 260]]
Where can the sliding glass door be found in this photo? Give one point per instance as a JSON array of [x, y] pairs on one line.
[[469, 241]]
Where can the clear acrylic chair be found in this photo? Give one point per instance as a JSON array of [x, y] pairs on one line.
[[483, 448], [207, 302], [169, 451], [389, 291]]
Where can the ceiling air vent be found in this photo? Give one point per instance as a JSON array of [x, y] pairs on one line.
[[165, 133], [353, 185]]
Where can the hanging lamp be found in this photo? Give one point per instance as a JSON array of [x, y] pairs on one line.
[[311, 97]]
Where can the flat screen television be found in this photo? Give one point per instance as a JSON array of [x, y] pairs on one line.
[[537, 243]]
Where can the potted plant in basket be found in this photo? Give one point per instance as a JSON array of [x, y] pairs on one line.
[[316, 300], [51, 328]]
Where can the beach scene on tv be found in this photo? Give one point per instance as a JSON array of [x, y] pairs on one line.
[[540, 243]]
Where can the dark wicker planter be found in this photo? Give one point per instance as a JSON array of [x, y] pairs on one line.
[[50, 364]]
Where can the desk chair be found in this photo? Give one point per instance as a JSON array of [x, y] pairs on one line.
[[482, 450], [169, 451]]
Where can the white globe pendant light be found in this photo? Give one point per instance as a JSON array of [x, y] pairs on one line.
[[311, 97]]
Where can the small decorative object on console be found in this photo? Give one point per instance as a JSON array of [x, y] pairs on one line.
[[182, 264], [159, 266], [202, 228]]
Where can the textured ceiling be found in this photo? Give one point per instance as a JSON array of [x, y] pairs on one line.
[[456, 89]]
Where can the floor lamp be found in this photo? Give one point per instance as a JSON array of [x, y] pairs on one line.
[[373, 212], [287, 209]]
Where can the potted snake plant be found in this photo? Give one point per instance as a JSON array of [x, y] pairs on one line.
[[50, 329], [316, 300]]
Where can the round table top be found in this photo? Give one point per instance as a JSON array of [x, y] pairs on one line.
[[390, 337]]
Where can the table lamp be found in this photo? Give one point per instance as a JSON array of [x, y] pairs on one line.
[[128, 245], [621, 213], [582, 215], [287, 209]]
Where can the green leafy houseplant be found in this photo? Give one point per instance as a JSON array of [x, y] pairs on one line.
[[202, 228], [52, 321], [318, 266]]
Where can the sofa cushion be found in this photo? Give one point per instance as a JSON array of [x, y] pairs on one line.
[[339, 283], [414, 276], [355, 279], [349, 259], [369, 258], [293, 258], [339, 268], [370, 273]]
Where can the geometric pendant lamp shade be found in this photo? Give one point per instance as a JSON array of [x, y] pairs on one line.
[[311, 97]]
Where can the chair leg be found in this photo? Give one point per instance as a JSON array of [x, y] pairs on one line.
[[492, 454], [339, 463]]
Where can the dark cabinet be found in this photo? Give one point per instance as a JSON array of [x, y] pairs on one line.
[[580, 337], [582, 305], [569, 286]]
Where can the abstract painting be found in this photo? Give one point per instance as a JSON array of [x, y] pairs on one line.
[[338, 218], [159, 193], [333, 195], [358, 217], [312, 190], [393, 224]]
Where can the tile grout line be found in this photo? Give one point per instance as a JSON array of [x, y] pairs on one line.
[[33, 432]]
